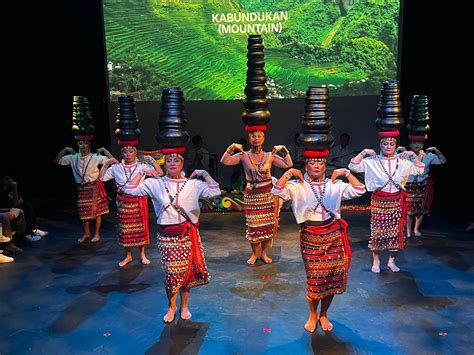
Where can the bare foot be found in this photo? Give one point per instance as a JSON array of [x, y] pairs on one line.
[[185, 314], [393, 267], [83, 238], [125, 261], [376, 267], [326, 325], [252, 259], [95, 239], [311, 324], [145, 260], [169, 316], [266, 259]]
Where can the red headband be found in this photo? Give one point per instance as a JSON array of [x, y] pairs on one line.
[[127, 143], [414, 138], [178, 150], [316, 153], [85, 137], [389, 134], [261, 128]]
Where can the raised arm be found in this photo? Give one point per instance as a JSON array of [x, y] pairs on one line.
[[105, 151], [439, 155], [284, 162], [365, 152], [62, 153], [287, 176], [106, 167], [229, 157], [347, 173], [410, 153], [205, 175], [158, 171]]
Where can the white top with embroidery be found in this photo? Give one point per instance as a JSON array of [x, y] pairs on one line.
[[85, 169], [376, 177], [427, 158], [304, 203], [123, 174], [187, 198]]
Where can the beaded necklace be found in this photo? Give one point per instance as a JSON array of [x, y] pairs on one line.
[[172, 198], [319, 198], [84, 168], [390, 177], [420, 157], [120, 187], [128, 177], [259, 164]]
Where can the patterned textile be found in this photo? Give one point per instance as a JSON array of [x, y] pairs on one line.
[[326, 256], [132, 212], [91, 200], [419, 197], [182, 256], [387, 221], [261, 212]]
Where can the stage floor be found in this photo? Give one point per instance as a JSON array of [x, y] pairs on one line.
[[63, 298]]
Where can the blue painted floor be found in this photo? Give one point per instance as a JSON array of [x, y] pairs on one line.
[[63, 298]]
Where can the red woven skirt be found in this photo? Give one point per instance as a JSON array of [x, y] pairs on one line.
[[326, 255], [261, 213], [132, 212], [91, 200], [182, 256], [419, 197], [387, 221]]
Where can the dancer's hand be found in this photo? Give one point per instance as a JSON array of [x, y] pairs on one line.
[[339, 172], [407, 154], [149, 159], [433, 150], [110, 162], [105, 151], [368, 152], [280, 148], [234, 147], [198, 172], [296, 173], [145, 172]]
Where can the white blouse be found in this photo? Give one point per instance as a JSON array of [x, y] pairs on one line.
[[375, 176], [427, 158], [123, 174], [85, 169], [160, 190], [304, 203]]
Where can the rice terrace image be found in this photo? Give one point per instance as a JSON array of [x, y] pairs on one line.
[[348, 45]]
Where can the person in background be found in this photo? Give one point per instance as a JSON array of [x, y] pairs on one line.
[[9, 197], [341, 154], [198, 157]]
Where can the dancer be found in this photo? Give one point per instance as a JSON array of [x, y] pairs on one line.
[[316, 204], [176, 203], [420, 188], [132, 211], [91, 198], [261, 207], [385, 176]]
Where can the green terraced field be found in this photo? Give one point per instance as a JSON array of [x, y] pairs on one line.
[[182, 47]]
